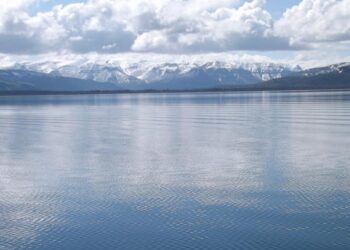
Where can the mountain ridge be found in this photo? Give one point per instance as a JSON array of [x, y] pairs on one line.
[[171, 77], [139, 76]]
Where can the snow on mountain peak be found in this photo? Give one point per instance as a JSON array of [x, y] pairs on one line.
[[149, 68]]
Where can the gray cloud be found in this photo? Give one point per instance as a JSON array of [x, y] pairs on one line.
[[20, 44]]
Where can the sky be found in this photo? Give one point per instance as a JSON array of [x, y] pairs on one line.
[[306, 32]]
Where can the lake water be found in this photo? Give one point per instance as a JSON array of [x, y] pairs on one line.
[[176, 171]]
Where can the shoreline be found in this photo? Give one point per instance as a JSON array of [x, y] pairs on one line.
[[109, 92]]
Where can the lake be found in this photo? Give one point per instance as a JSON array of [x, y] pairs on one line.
[[264, 170]]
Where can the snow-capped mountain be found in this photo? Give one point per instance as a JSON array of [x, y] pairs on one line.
[[81, 70], [209, 75], [334, 68], [164, 75], [166, 71], [96, 72]]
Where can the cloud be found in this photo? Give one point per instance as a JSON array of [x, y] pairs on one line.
[[316, 21], [14, 33], [162, 26], [248, 27]]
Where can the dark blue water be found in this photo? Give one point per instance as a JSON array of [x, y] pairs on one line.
[[175, 171]]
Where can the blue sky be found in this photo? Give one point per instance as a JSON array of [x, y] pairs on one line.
[[48, 4], [277, 7]]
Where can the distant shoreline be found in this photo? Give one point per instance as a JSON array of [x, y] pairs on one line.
[[153, 91]]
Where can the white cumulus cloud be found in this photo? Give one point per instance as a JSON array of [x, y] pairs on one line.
[[165, 26], [171, 26], [316, 21], [248, 27]]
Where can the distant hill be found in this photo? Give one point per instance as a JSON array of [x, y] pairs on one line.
[[23, 80], [335, 76]]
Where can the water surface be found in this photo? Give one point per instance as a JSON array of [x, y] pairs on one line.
[[176, 171]]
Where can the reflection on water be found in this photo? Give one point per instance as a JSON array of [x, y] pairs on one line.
[[175, 171]]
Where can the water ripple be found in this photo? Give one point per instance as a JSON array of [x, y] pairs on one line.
[[178, 171]]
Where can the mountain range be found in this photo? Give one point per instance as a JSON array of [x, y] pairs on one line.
[[115, 76], [336, 76]]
